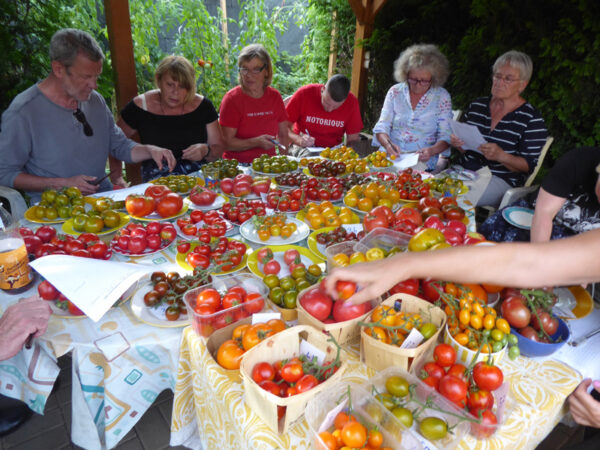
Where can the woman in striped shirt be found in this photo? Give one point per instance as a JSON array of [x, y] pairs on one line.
[[514, 130]]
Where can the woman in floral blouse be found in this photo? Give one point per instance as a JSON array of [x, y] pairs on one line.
[[417, 111]]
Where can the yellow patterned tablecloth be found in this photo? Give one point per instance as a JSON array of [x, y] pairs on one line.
[[209, 410]]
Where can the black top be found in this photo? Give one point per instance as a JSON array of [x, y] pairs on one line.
[[521, 132], [175, 133], [574, 173]]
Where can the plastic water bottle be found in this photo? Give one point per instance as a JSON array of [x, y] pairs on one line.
[[15, 273]]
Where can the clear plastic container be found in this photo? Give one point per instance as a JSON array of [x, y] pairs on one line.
[[423, 394], [346, 247], [321, 411], [204, 325], [384, 239]]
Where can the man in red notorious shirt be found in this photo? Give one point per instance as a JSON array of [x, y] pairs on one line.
[[322, 114]]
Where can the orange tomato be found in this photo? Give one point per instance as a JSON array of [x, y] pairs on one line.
[[378, 333], [375, 439], [317, 222], [489, 322], [351, 199], [276, 325], [229, 355], [461, 338], [478, 292], [239, 331], [254, 334], [365, 204], [342, 419], [492, 288], [328, 442], [263, 234], [354, 435]]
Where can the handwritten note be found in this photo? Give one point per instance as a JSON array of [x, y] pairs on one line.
[[469, 134]]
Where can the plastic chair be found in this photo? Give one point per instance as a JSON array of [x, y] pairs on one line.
[[15, 200]]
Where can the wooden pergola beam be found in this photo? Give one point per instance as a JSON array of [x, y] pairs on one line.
[[118, 25], [365, 12]]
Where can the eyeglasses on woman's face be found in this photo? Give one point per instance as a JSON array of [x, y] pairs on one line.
[[253, 70], [418, 82], [508, 79]]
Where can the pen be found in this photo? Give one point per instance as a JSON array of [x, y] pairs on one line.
[[307, 133], [29, 341], [100, 180], [276, 142]]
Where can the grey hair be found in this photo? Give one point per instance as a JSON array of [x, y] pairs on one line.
[[519, 60], [67, 43], [422, 56]]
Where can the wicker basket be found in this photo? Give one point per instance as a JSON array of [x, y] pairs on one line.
[[379, 355]]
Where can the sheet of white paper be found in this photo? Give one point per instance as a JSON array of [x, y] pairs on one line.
[[406, 160], [315, 149], [469, 134], [121, 194], [93, 285]]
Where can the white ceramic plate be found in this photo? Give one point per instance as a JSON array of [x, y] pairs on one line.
[[219, 201], [248, 232], [153, 316], [518, 216]]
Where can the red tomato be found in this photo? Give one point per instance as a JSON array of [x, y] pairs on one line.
[[343, 310], [202, 196], [272, 267], [444, 355], [263, 371], [270, 386], [45, 233], [137, 244], [457, 370], [487, 377], [434, 222], [410, 214], [209, 296], [431, 289], [156, 191], [410, 286], [432, 381], [254, 303], [453, 388], [153, 227], [371, 221], [169, 205], [183, 247], [453, 212], [87, 238], [168, 233], [139, 205], [291, 256], [345, 289], [434, 370], [306, 383], [74, 310], [429, 202], [487, 426], [231, 299], [292, 372], [317, 303], [479, 400], [196, 216], [32, 243], [383, 211], [47, 291], [197, 260], [457, 226], [98, 250], [514, 310]]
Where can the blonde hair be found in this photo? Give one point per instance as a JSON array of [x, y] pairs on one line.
[[256, 51], [422, 56], [181, 70]]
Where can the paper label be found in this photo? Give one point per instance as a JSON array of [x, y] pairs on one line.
[[500, 395], [311, 351], [331, 415], [413, 339], [264, 317], [14, 264]]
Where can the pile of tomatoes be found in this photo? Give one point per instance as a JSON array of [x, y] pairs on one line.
[[202, 196], [431, 213], [388, 324], [289, 377], [274, 164], [275, 225], [64, 204], [327, 215], [284, 291], [311, 190], [411, 186], [240, 211], [374, 193], [214, 310], [337, 235], [213, 225], [45, 241], [530, 312], [178, 183], [169, 289], [157, 198], [349, 432], [223, 253], [326, 168], [136, 238], [291, 179], [48, 292], [379, 159], [470, 388], [243, 338]]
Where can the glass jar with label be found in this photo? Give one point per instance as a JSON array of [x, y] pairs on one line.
[[15, 273]]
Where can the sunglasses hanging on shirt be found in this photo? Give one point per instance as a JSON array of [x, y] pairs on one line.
[[80, 116]]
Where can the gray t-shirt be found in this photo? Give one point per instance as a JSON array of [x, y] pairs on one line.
[[41, 138]]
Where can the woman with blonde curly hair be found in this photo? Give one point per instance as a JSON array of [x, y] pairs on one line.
[[417, 111]]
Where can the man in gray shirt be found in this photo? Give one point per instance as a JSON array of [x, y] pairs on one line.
[[60, 132]]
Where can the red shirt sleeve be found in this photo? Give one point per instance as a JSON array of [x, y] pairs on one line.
[[230, 116]]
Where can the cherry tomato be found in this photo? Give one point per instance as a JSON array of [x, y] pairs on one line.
[[444, 355]]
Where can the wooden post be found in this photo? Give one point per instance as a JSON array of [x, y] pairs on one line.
[[365, 12], [225, 34], [332, 47], [118, 25]]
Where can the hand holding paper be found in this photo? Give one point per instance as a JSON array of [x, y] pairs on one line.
[[469, 134]]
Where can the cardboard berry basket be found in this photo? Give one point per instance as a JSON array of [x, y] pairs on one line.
[[205, 325], [379, 355], [221, 335], [322, 410], [345, 332], [285, 345]]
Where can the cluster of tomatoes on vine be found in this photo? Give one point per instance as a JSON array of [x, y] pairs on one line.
[[45, 241], [213, 225], [222, 253], [470, 388], [311, 189], [240, 211], [326, 168]]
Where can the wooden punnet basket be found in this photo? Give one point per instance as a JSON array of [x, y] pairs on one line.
[[285, 345], [379, 355]]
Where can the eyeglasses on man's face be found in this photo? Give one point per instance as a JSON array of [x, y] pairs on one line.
[[507, 79], [254, 70], [417, 82], [80, 116]]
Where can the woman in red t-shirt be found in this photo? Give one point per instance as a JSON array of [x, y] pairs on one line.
[[252, 114]]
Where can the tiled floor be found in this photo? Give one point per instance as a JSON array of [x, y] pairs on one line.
[[53, 429]]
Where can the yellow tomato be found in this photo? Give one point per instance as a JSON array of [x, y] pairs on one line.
[[365, 204], [328, 212], [332, 221], [357, 257], [341, 259], [351, 199], [385, 202], [373, 254], [316, 222]]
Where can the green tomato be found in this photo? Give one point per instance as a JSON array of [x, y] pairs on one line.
[[287, 283], [404, 415], [302, 284], [433, 428], [276, 295], [497, 346], [289, 299], [497, 335], [514, 352], [397, 386], [299, 272], [512, 339], [427, 330], [271, 281], [386, 400]]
